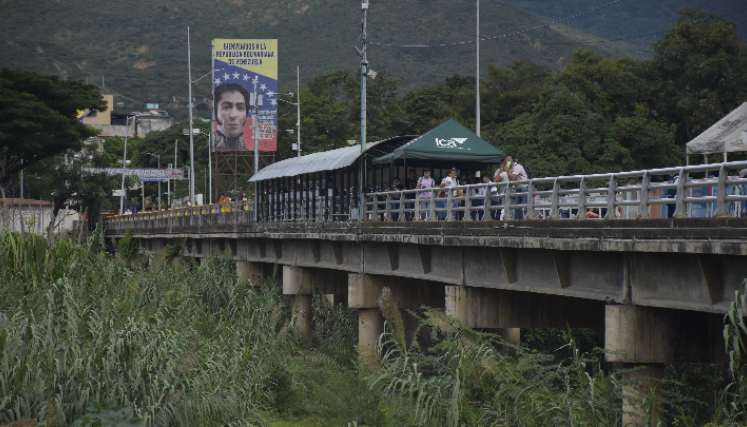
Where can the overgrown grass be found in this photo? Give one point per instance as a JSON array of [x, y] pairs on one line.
[[179, 347], [84, 339]]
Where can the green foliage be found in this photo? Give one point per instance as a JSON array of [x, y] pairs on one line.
[[175, 349], [97, 343], [38, 118], [29, 261], [127, 247], [101, 417], [734, 333], [563, 137], [466, 379], [700, 72], [510, 92]]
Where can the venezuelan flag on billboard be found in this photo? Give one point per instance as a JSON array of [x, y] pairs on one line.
[[241, 67]]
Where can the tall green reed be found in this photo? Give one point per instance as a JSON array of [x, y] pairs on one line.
[[180, 347]]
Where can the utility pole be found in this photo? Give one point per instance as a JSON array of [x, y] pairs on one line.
[[477, 74], [176, 145], [212, 122], [256, 101], [191, 133], [364, 73], [298, 109], [210, 163], [159, 184], [124, 169]]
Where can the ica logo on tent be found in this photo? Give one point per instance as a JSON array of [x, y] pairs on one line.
[[450, 143]]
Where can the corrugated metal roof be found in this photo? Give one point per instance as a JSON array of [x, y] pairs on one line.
[[728, 135], [328, 160]]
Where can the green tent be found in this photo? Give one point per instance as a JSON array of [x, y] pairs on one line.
[[450, 143]]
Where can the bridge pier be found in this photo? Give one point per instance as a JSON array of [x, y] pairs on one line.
[[641, 336], [364, 291], [644, 339], [251, 271], [300, 283]]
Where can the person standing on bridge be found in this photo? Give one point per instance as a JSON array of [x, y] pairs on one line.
[[425, 181], [672, 194], [515, 172]]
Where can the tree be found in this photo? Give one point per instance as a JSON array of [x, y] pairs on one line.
[[620, 91], [507, 93], [700, 72], [38, 118], [421, 109], [611, 87], [563, 137], [86, 192]]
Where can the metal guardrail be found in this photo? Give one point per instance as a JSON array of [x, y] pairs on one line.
[[246, 205], [551, 198], [540, 198]]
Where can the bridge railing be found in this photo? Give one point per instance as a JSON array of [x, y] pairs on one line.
[[701, 190], [180, 212]]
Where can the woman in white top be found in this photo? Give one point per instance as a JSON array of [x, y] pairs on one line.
[[450, 181]]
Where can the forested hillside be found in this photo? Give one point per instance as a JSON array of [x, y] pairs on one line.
[[140, 47], [639, 22]]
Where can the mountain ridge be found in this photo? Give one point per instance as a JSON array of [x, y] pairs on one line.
[[140, 49]]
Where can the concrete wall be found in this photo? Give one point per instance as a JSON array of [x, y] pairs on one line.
[[35, 219]]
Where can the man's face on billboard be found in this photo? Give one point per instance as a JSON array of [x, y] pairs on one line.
[[232, 114]]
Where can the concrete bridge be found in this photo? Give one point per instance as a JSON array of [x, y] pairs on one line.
[[658, 288]]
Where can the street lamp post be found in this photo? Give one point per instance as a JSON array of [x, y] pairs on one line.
[[191, 136], [159, 181], [298, 109], [256, 104], [124, 169], [210, 149], [298, 115], [477, 81]]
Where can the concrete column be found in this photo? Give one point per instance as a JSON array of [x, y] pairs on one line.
[[511, 335], [251, 271], [640, 385], [643, 338], [363, 293], [300, 283], [297, 284], [302, 312], [370, 328]]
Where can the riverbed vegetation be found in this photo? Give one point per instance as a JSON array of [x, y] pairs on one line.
[[89, 338]]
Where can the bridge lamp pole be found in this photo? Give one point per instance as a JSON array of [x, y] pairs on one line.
[[364, 75], [477, 81], [124, 169], [159, 181], [298, 113], [210, 160]]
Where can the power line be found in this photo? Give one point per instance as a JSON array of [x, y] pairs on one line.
[[536, 27]]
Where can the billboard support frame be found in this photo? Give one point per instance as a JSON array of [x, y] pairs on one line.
[[228, 165]]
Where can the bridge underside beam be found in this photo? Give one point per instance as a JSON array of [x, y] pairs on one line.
[[678, 280], [494, 308]]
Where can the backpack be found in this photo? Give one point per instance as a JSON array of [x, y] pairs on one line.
[[530, 175]]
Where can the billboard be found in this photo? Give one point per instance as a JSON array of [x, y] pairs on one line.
[[143, 174], [241, 68]]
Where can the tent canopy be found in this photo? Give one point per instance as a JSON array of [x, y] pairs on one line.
[[728, 135], [450, 142]]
